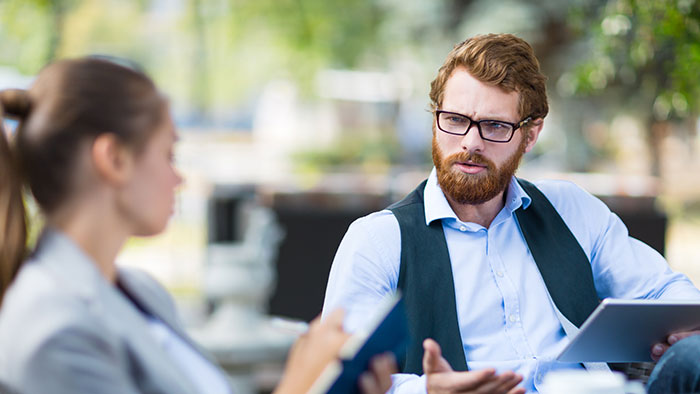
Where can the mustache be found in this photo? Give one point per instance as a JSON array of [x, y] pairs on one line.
[[475, 158]]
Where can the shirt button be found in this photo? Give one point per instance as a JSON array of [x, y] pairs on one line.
[[499, 274], [513, 318], [462, 228]]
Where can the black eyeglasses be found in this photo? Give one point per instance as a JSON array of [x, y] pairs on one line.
[[489, 130]]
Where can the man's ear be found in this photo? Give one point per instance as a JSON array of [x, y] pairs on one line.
[[113, 160], [534, 133]]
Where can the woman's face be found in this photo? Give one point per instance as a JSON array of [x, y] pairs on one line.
[[147, 199]]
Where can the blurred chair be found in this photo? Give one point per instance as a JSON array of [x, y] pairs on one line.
[[239, 276]]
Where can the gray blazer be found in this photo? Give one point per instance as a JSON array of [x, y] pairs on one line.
[[65, 329]]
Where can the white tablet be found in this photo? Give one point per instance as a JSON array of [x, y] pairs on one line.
[[625, 330]]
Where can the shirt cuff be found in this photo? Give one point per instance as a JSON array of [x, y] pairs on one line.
[[403, 383]]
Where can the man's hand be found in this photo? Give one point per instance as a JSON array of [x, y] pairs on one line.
[[441, 378], [659, 349]]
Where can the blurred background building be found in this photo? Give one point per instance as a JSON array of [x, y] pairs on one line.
[[318, 111]]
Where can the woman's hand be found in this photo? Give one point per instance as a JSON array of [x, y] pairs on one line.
[[378, 379], [318, 347]]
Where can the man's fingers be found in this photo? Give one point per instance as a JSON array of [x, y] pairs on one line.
[[658, 350], [433, 362], [429, 345], [507, 382], [517, 390], [677, 336], [431, 357], [469, 380], [499, 384]]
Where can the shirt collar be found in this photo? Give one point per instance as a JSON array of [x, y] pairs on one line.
[[437, 207], [516, 196]]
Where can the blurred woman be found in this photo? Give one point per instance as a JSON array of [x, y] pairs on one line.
[[94, 145]]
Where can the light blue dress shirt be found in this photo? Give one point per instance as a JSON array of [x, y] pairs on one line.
[[506, 317]]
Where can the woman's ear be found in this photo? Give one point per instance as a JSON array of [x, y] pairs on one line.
[[112, 160]]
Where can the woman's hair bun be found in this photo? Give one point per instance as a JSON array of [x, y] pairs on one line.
[[14, 103]]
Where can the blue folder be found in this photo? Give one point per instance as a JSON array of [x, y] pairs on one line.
[[390, 334]]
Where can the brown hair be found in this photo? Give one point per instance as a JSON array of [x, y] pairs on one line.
[[13, 227], [70, 103], [502, 60]]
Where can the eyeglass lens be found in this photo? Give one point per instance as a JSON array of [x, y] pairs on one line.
[[490, 129]]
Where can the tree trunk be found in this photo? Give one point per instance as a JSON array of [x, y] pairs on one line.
[[200, 80], [657, 131], [58, 11]]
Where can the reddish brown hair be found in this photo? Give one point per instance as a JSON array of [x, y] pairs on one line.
[[502, 60]]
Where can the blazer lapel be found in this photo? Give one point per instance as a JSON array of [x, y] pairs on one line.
[[133, 326], [152, 298], [156, 372]]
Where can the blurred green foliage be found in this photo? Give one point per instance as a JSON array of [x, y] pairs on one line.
[[376, 152], [217, 51], [643, 52], [215, 56]]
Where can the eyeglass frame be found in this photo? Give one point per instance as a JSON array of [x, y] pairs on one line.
[[514, 126]]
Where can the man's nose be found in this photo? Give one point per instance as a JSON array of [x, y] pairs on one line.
[[472, 141]]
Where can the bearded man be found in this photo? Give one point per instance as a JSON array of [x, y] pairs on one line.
[[498, 271]]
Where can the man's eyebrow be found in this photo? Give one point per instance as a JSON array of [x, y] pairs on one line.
[[488, 116]]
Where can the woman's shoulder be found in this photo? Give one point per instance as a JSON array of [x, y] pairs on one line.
[[37, 309], [37, 299], [33, 293]]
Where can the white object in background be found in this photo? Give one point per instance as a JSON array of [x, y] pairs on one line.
[[589, 382], [239, 278]]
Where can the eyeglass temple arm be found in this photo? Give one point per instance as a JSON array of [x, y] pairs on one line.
[[524, 121]]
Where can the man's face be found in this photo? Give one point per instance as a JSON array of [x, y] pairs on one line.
[[471, 170]]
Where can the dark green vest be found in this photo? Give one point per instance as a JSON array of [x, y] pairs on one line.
[[427, 284]]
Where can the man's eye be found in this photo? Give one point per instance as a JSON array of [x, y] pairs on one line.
[[495, 126], [456, 119]]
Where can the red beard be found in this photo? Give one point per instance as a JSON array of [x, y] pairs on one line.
[[474, 189]]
